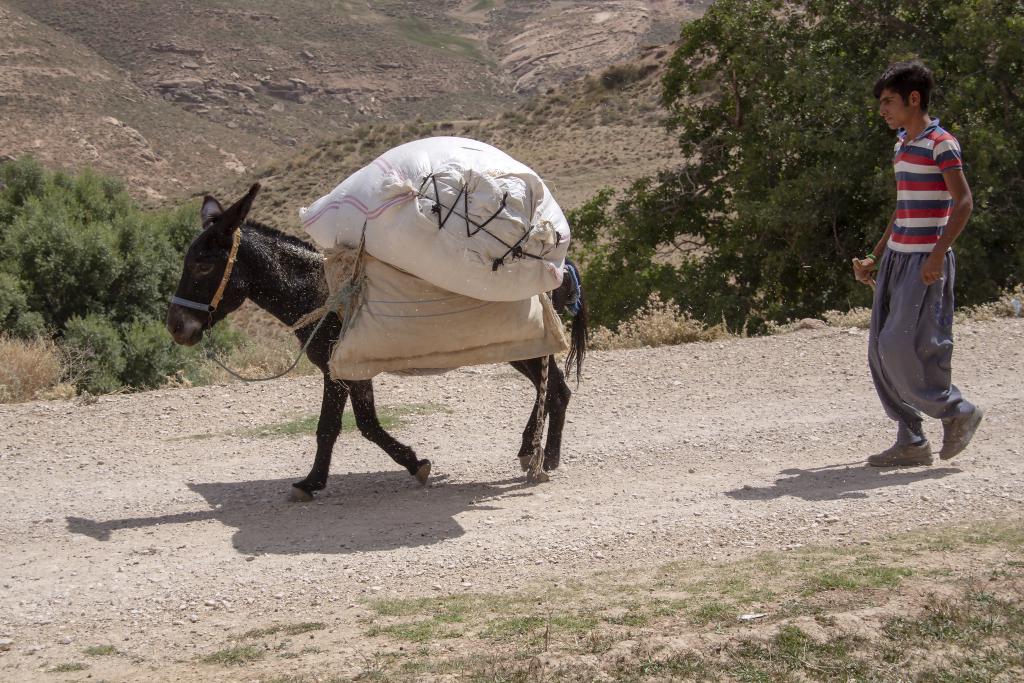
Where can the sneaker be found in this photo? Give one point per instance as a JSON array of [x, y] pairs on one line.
[[957, 432], [909, 455]]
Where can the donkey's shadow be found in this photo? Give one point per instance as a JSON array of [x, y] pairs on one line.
[[358, 513]]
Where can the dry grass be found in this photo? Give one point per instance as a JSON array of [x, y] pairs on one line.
[[260, 358], [1009, 305], [31, 369], [658, 323], [856, 317]]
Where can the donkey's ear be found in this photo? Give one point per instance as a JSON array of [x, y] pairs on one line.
[[235, 214], [211, 210]]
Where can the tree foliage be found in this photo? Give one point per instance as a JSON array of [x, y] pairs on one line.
[[81, 263], [789, 167]]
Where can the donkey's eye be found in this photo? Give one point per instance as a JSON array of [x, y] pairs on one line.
[[204, 268]]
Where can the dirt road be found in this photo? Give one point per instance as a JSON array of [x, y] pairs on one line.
[[157, 524]]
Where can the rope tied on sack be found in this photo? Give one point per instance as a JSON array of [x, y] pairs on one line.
[[515, 251], [338, 264], [344, 270]]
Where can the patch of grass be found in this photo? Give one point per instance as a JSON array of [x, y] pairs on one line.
[[419, 31], [414, 632], [979, 636], [100, 650], [68, 667], [712, 611], [391, 418], [511, 628], [284, 629], [235, 656], [853, 578]]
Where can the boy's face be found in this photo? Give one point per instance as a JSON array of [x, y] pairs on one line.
[[895, 111]]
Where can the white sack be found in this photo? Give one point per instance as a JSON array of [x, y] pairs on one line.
[[405, 324], [395, 196]]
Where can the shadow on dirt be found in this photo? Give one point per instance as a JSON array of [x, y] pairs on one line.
[[357, 513], [838, 482]]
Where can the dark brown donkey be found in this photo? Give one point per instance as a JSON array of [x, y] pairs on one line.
[[233, 259]]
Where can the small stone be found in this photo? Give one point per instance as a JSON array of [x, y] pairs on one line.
[[278, 596], [65, 640], [193, 618], [436, 586], [467, 584], [210, 603], [5, 644]]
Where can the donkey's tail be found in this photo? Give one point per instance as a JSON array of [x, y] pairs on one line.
[[579, 334]]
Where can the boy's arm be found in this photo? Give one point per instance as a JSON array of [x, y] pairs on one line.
[[963, 204], [862, 267]]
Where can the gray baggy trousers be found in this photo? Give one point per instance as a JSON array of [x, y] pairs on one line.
[[910, 345]]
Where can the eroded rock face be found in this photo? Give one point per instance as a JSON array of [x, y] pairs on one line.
[[545, 51]]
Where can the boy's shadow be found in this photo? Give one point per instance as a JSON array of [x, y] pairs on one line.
[[356, 513], [838, 482]]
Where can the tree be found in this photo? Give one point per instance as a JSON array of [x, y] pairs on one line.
[[81, 263], [789, 167]]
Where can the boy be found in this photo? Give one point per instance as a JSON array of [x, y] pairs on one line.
[[910, 345]]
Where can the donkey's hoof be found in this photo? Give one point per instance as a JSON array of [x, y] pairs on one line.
[[423, 471], [299, 495], [537, 477], [524, 462], [551, 462]]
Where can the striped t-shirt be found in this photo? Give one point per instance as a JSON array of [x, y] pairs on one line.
[[923, 202]]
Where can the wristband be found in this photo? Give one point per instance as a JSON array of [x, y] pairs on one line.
[[870, 257]]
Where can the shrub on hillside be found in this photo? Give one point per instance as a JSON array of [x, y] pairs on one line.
[[620, 75], [84, 265]]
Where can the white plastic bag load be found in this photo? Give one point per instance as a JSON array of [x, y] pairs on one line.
[[458, 213], [406, 325]]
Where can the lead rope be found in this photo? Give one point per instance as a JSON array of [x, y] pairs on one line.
[[212, 355], [536, 469], [348, 294]]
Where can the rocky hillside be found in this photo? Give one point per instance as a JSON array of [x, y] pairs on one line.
[[177, 97]]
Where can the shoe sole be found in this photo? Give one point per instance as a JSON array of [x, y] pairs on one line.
[[967, 437]]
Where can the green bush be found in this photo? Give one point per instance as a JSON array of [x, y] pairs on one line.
[[80, 262], [150, 355], [97, 345]]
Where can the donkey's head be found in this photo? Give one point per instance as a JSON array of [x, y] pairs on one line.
[[212, 282]]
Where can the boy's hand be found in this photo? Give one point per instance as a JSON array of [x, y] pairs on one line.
[[931, 271], [862, 269]]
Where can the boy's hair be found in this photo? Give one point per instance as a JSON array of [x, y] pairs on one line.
[[905, 78]]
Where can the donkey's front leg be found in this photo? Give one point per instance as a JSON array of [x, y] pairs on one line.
[[327, 430], [370, 427]]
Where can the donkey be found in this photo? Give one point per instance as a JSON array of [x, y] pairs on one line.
[[233, 259]]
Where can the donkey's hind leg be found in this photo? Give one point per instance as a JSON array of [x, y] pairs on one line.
[[370, 427], [555, 403]]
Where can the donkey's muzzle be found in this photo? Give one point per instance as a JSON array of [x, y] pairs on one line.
[[183, 326]]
